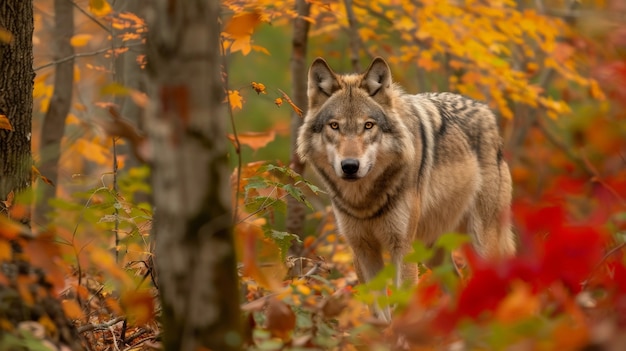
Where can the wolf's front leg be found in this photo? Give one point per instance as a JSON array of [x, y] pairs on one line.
[[368, 262]]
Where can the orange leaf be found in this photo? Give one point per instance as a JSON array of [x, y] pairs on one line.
[[99, 7], [280, 319], [5, 251], [72, 309], [4, 122], [10, 229], [242, 25], [139, 306], [5, 36], [45, 253], [254, 140], [80, 40], [9, 201], [278, 102], [259, 88]]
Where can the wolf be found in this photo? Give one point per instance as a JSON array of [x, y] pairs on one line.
[[401, 167]]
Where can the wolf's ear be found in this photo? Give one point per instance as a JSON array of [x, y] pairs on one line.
[[322, 82], [377, 78]]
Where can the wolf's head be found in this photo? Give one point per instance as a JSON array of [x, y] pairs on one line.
[[348, 116]]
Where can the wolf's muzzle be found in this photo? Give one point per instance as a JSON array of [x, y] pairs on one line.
[[350, 166]]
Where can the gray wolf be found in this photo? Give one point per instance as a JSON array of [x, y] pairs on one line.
[[401, 167]]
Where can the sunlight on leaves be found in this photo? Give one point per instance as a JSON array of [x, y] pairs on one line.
[[80, 40], [99, 7]]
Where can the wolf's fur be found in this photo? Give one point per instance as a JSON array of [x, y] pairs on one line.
[[402, 167]]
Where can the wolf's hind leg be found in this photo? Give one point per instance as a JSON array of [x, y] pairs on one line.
[[489, 221]]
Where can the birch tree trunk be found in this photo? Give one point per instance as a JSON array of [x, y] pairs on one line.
[[16, 96], [186, 125]]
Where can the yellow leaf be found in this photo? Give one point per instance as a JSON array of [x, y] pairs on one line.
[[5, 36], [80, 40], [72, 309], [4, 122], [99, 7], [114, 89], [235, 99]]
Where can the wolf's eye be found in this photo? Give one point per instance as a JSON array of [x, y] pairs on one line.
[[334, 125], [369, 125]]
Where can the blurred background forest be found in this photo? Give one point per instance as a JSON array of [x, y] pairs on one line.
[[554, 72]]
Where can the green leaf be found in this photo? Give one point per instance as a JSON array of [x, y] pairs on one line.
[[297, 194], [420, 253], [451, 241], [283, 240], [262, 203]]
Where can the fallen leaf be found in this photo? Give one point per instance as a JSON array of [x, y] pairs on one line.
[[280, 319], [72, 309]]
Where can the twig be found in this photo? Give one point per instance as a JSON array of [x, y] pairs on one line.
[[114, 338], [101, 326], [604, 258], [236, 137], [90, 16], [84, 54], [136, 335]]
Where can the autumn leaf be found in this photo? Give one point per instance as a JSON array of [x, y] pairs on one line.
[[5, 36], [72, 309], [4, 122], [99, 7], [280, 319], [296, 109], [10, 229], [235, 99], [5, 251], [259, 88], [255, 140], [139, 305], [80, 40], [242, 25], [278, 102]]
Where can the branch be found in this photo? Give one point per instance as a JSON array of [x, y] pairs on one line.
[[101, 326], [90, 16], [84, 54]]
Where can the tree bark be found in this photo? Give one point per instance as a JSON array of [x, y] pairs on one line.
[[16, 97], [296, 211], [54, 121], [186, 125]]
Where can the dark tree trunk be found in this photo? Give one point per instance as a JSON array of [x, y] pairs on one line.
[[16, 96], [54, 121], [186, 124], [296, 211]]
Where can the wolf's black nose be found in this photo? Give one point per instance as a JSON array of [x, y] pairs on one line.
[[350, 166]]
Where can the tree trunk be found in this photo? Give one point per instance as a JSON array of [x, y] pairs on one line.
[[16, 96], [296, 211], [186, 125], [54, 121]]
